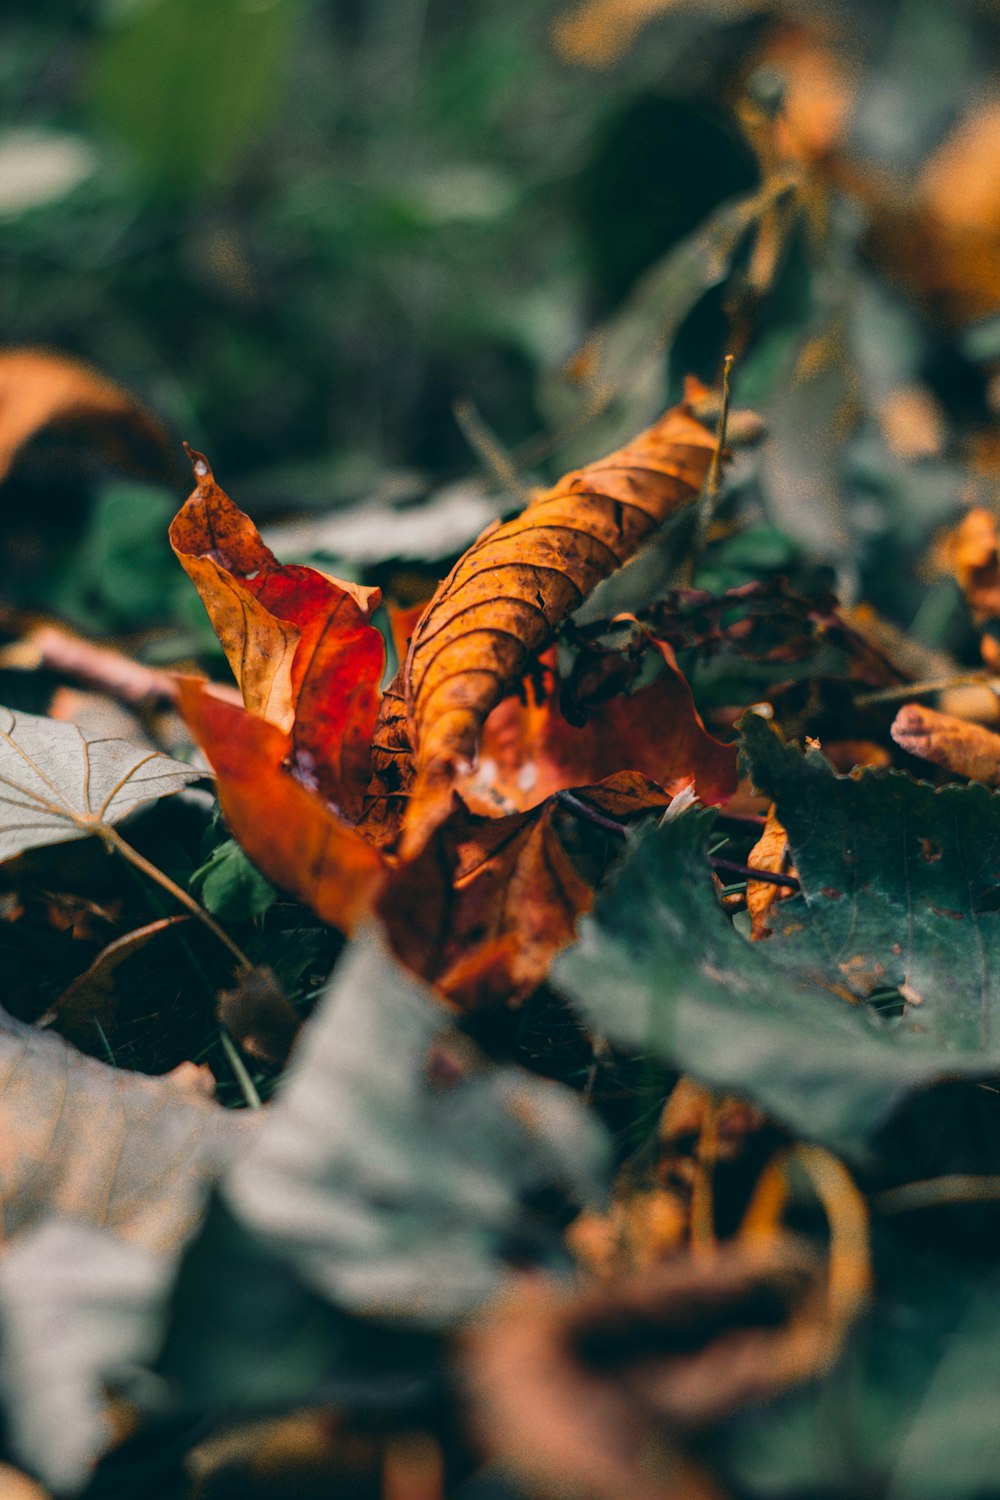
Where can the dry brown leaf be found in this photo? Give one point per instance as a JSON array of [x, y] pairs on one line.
[[260, 1016], [93, 995], [104, 1146], [972, 553], [504, 598], [591, 1394], [53, 648], [598, 32], [42, 392], [769, 853], [486, 906], [956, 745]]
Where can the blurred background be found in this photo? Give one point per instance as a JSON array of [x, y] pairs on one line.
[[414, 256]]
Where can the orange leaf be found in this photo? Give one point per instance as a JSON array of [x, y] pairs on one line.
[[40, 392], [518, 581], [300, 644], [971, 554], [529, 750], [769, 853], [290, 832]]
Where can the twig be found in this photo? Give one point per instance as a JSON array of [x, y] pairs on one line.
[[936, 1192], [750, 872], [489, 449], [591, 814], [709, 496], [112, 839]]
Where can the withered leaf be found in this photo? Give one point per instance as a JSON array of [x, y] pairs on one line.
[[57, 783], [486, 905], [591, 1394], [293, 836], [103, 1146], [769, 853], [42, 392], [93, 995], [955, 744], [517, 582], [300, 643], [258, 1013], [529, 750]]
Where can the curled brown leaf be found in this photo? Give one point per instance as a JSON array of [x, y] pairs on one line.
[[954, 744]]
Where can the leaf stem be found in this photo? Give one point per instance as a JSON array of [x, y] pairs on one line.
[[936, 1192], [113, 840], [709, 496]]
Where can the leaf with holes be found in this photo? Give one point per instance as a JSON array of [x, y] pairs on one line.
[[58, 784], [876, 979]]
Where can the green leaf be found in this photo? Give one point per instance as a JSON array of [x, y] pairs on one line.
[[58, 784], [659, 966], [900, 889], [230, 886], [398, 1170]]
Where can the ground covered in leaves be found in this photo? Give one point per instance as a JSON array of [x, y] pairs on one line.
[[502, 996]]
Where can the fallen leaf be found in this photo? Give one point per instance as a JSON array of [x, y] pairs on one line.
[[290, 832], [52, 648], [300, 644], [93, 995], [260, 1016], [971, 553], [529, 750], [956, 745], [102, 1146], [592, 1394], [42, 393], [398, 1188], [57, 783], [486, 905], [504, 598], [769, 853], [598, 32]]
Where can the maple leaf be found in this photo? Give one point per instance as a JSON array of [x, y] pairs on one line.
[[504, 598], [58, 784], [300, 643]]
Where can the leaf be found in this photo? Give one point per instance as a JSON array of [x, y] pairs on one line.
[[958, 746], [487, 904], [769, 853], [593, 1392], [529, 750], [397, 1169], [300, 644], [57, 783], [93, 995], [46, 393], [893, 875], [293, 836], [78, 1308], [230, 887], [102, 1146], [972, 554], [506, 595]]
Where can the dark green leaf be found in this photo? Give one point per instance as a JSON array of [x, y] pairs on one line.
[[230, 886]]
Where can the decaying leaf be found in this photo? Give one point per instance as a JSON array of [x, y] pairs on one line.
[[955, 744], [57, 783], [591, 1394], [906, 911], [300, 644], [484, 907], [971, 554], [504, 598], [529, 750], [258, 1013], [295, 837], [46, 393], [769, 853], [398, 1167], [102, 1146], [93, 995]]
